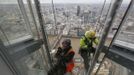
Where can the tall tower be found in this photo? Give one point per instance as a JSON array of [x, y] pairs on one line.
[[78, 10], [86, 17]]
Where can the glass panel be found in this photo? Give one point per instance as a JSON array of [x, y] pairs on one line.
[[32, 17], [4, 69], [77, 17], [48, 16], [116, 22], [12, 22], [125, 38], [14, 29], [31, 64], [126, 33]]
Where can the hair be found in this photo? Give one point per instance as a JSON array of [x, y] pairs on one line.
[[67, 41]]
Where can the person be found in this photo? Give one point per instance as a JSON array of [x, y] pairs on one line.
[[86, 47], [64, 58]]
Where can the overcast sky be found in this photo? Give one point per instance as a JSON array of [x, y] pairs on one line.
[[77, 1], [63, 1]]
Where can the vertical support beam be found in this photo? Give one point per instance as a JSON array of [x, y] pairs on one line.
[[108, 24], [33, 17], [53, 9], [98, 21], [127, 12], [38, 34], [45, 40]]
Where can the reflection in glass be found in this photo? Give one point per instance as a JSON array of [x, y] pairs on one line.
[[12, 22]]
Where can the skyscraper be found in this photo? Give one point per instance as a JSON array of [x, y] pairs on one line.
[[78, 10]]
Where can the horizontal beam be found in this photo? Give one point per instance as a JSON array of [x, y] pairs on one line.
[[121, 55], [23, 49]]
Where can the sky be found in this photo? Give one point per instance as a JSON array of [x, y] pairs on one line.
[[77, 1], [62, 1]]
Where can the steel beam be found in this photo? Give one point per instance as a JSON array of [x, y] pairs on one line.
[[122, 56], [54, 14], [45, 38], [127, 12], [23, 49], [108, 24], [38, 33]]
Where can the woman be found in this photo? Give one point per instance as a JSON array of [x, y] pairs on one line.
[[64, 55]]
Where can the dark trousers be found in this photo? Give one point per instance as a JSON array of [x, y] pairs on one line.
[[86, 57], [57, 69], [85, 54]]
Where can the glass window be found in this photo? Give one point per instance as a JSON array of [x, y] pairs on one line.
[[31, 64], [124, 38], [32, 17], [52, 21], [126, 33], [14, 29], [12, 22], [4, 70]]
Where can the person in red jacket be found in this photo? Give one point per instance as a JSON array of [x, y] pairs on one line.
[[64, 55]]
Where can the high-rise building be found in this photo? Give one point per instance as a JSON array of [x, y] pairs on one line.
[[86, 17], [78, 10]]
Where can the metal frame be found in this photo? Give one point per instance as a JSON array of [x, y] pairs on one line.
[[23, 48], [122, 56], [14, 52], [127, 12], [108, 25], [23, 11], [33, 17], [18, 51], [45, 38], [8, 60], [102, 24], [38, 34], [98, 21], [58, 38], [53, 9]]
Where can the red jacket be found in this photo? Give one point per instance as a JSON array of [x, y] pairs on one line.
[[70, 63], [66, 57]]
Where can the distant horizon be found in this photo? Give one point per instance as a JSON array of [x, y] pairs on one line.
[[64, 1], [58, 3]]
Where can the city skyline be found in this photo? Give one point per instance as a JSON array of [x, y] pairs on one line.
[[64, 1]]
